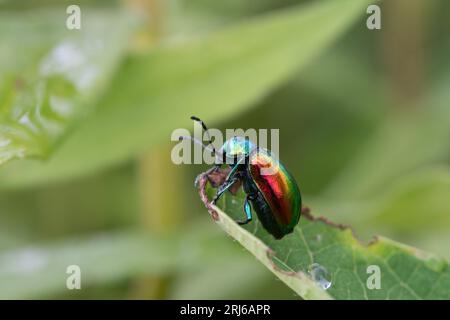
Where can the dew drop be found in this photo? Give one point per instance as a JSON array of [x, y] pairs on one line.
[[320, 275]]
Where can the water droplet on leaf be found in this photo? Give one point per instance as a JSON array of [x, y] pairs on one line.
[[320, 275]]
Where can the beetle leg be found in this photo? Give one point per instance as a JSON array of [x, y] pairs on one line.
[[234, 170], [224, 188], [231, 178], [247, 211]]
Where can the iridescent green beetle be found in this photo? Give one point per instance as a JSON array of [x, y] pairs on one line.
[[273, 194]]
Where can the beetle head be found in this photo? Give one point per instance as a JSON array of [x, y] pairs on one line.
[[236, 148]]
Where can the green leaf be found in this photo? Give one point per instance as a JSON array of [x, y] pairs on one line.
[[49, 74], [214, 77], [32, 271], [338, 260], [39, 270]]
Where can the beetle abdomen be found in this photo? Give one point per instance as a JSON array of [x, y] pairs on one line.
[[266, 217], [278, 188]]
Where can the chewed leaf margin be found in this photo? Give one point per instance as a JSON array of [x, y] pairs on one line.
[[404, 272]]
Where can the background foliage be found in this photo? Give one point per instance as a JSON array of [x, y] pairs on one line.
[[86, 116]]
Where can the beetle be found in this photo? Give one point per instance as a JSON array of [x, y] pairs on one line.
[[274, 196]]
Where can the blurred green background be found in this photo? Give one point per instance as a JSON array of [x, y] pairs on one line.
[[364, 128]]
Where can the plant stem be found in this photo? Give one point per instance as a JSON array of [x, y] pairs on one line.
[[159, 180], [404, 37]]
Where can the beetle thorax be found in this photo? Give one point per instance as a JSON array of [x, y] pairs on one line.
[[237, 147]]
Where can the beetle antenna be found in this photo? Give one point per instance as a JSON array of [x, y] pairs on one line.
[[205, 128], [206, 146]]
